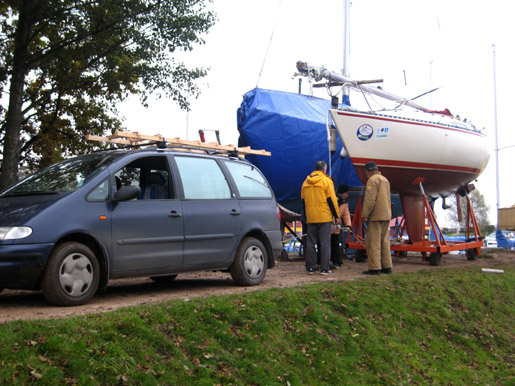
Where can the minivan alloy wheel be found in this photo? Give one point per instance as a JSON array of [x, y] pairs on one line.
[[254, 261], [75, 274]]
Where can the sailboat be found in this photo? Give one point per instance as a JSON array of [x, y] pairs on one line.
[[420, 151]]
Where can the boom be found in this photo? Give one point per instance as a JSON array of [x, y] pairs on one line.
[[320, 72]]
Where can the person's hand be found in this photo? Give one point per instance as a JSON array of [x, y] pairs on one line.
[[338, 221], [364, 219], [347, 228]]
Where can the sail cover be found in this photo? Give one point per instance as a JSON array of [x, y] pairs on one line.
[[293, 128]]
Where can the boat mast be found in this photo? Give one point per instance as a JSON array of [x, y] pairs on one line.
[[319, 72], [346, 49]]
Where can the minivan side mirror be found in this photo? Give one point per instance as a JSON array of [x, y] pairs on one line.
[[126, 193]]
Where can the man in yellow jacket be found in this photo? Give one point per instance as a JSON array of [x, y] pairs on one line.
[[319, 204], [377, 212]]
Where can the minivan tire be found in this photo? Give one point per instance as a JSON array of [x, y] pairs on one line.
[[250, 262], [472, 254], [435, 258], [71, 275]]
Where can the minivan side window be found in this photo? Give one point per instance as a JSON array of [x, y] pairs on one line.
[[202, 178], [100, 193], [150, 174], [249, 181]]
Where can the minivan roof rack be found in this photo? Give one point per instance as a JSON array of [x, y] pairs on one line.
[[136, 139]]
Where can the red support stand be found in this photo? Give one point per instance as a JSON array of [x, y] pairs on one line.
[[433, 243]]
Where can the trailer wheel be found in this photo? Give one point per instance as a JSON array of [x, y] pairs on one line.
[[472, 254], [435, 258], [361, 256]]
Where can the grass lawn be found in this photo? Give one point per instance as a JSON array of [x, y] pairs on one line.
[[447, 327]]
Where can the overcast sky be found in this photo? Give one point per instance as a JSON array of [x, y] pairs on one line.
[[414, 45]]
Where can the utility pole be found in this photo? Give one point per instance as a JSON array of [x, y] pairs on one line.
[[496, 136]]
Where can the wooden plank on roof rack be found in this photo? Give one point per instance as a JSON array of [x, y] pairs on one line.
[[136, 138], [111, 140]]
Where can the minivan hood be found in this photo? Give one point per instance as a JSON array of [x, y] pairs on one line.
[[17, 211]]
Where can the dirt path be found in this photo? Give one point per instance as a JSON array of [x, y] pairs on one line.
[[24, 305]]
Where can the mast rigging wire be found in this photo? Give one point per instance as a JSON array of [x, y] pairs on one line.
[[269, 44]]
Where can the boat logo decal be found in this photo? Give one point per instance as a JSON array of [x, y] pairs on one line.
[[365, 132], [382, 133]]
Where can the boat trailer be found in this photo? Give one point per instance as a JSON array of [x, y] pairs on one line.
[[431, 248]]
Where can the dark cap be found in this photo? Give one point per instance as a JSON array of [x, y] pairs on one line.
[[370, 166], [342, 189]]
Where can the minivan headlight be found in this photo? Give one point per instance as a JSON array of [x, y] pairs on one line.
[[14, 233]]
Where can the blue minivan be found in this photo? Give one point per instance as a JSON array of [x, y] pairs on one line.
[[70, 228]]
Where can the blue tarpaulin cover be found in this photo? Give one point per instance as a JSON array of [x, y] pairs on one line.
[[503, 241], [293, 128]]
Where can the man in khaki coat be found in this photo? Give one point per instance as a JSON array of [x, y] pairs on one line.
[[377, 212], [319, 204]]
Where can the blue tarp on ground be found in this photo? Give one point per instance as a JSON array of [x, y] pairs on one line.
[[503, 241], [293, 128], [501, 236]]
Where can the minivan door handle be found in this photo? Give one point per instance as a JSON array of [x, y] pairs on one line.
[[235, 212], [173, 213]]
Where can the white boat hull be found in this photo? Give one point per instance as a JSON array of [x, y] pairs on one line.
[[443, 153]]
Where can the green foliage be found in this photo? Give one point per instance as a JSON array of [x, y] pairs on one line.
[[479, 207], [77, 59], [438, 328]]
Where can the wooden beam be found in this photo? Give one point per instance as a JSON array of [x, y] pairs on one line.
[[136, 138]]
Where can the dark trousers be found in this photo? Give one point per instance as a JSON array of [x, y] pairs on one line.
[[318, 233], [336, 256]]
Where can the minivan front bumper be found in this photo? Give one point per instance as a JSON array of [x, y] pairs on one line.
[[21, 265]]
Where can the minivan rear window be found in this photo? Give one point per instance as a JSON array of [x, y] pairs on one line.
[[249, 181], [202, 178]]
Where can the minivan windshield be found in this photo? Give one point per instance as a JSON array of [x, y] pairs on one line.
[[63, 177]]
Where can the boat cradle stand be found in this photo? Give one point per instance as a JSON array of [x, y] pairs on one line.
[[431, 248]]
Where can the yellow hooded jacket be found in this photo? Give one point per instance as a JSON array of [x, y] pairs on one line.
[[316, 189]]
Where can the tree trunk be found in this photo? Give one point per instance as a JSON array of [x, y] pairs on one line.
[[14, 118]]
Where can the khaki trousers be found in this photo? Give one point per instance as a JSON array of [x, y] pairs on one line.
[[378, 245]]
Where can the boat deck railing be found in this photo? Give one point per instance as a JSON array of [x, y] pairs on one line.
[[465, 126]]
